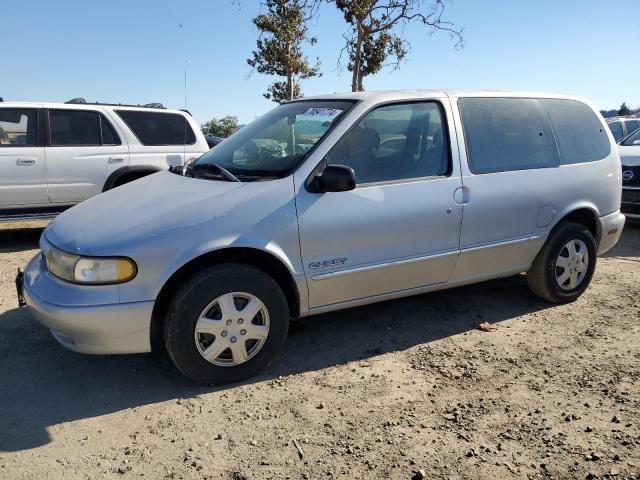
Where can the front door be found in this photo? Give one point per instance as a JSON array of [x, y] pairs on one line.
[[399, 229], [83, 149], [22, 160]]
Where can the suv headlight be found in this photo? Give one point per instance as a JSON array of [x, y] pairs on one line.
[[90, 270]]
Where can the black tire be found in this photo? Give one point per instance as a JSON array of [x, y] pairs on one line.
[[196, 294], [541, 277]]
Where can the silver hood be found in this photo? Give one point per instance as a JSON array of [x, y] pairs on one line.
[[139, 210]]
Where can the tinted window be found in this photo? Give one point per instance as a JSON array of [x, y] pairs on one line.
[[395, 142], [18, 127], [633, 139], [632, 126], [579, 133], [505, 134], [616, 129], [157, 128], [109, 135], [74, 127]]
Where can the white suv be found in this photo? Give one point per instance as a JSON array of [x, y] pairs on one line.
[[54, 155]]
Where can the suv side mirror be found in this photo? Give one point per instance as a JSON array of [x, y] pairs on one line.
[[334, 178]]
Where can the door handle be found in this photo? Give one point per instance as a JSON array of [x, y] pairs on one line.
[[25, 161], [116, 159]]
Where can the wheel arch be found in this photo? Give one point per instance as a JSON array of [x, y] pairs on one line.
[[136, 170], [261, 259], [584, 215]]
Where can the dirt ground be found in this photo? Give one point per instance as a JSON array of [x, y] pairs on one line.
[[382, 391]]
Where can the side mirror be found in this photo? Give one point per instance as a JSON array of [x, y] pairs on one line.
[[334, 178]]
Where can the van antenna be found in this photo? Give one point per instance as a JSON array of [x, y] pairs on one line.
[[186, 64]]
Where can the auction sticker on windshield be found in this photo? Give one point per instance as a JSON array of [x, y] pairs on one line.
[[322, 112]]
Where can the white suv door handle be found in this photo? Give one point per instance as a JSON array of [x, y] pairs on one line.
[[25, 161], [116, 159]]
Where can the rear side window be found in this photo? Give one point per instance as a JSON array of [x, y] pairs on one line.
[[74, 127], [158, 128], [616, 129], [580, 135], [504, 134], [18, 127], [69, 128], [632, 126]]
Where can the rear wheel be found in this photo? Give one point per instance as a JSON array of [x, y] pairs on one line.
[[226, 323], [563, 268]]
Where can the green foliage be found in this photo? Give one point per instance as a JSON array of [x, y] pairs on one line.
[[376, 40], [283, 31], [624, 110], [222, 127]]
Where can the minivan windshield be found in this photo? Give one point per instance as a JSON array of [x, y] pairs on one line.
[[633, 139], [275, 143]]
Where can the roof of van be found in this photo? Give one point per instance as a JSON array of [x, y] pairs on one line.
[[431, 93]]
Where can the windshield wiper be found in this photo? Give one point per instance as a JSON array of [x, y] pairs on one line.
[[206, 166]]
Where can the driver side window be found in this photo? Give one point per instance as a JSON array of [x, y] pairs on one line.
[[395, 142]]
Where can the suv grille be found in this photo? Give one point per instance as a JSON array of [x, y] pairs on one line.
[[635, 180]]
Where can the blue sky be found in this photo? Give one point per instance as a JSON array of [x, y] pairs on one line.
[[134, 52]]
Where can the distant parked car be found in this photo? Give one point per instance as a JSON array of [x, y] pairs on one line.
[[310, 209], [212, 140], [55, 155], [630, 158], [622, 127]]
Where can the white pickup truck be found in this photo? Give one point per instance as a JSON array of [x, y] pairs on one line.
[[54, 155]]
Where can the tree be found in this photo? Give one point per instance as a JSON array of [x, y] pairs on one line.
[[222, 127], [376, 32], [624, 110], [283, 31]]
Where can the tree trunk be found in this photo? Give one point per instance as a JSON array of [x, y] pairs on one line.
[[289, 74], [290, 86], [356, 78]]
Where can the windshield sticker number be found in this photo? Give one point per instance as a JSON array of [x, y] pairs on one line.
[[322, 112]]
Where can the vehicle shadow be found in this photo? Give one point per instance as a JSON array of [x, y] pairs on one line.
[[19, 239], [43, 384]]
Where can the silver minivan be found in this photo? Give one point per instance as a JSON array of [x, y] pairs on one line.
[[327, 203]]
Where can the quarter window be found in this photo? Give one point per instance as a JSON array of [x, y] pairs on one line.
[[580, 135], [395, 142], [504, 134], [109, 135], [616, 129], [18, 127], [158, 128]]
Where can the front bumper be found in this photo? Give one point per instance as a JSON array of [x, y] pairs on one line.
[[610, 230], [101, 328]]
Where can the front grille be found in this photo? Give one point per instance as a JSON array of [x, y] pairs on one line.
[[631, 208], [634, 172], [630, 196]]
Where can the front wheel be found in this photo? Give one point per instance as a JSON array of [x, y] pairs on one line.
[[563, 268], [226, 323]]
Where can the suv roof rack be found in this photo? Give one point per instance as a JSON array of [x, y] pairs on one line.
[[82, 101]]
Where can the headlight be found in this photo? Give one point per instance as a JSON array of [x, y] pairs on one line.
[[89, 270]]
